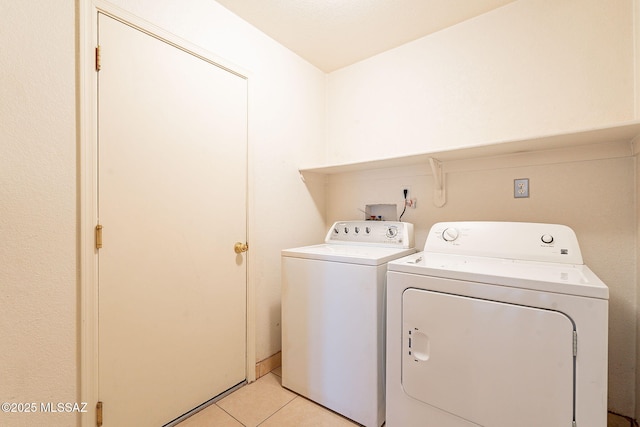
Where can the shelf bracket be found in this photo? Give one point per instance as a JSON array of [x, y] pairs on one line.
[[439, 189]]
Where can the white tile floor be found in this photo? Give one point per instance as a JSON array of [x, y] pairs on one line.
[[266, 403]]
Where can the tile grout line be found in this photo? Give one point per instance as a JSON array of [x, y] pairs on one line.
[[223, 410], [277, 410]]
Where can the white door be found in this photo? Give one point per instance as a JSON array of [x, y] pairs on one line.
[[491, 363], [172, 202]]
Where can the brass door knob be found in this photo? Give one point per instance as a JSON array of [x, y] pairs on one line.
[[240, 247]]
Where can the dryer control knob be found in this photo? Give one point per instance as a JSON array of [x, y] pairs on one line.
[[547, 238], [450, 234]]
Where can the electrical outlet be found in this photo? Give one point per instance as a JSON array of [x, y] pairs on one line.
[[409, 202], [521, 188], [408, 191]]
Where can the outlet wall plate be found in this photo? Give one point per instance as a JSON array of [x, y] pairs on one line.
[[521, 188]]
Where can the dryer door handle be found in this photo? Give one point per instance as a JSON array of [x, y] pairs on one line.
[[419, 345]]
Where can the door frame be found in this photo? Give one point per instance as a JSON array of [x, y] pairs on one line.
[[87, 188]]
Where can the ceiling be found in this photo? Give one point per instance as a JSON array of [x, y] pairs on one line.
[[332, 34]]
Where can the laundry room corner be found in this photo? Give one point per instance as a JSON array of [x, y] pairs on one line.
[[439, 129], [519, 86], [483, 190]]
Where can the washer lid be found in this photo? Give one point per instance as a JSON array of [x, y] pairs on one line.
[[541, 276], [353, 254]]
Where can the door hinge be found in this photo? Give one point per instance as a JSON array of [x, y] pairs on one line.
[[575, 343], [99, 414], [98, 61], [98, 236]]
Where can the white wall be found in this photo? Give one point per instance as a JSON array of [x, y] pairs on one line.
[[637, 251], [39, 226], [529, 68], [636, 15], [38, 268], [533, 67]]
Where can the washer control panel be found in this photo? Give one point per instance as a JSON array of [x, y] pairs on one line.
[[509, 240], [379, 233]]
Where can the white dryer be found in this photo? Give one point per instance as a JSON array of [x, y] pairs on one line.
[[496, 324], [333, 316]]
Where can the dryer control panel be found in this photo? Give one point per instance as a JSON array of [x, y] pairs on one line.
[[509, 240], [379, 233]]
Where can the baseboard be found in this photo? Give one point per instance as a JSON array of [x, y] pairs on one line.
[[269, 364]]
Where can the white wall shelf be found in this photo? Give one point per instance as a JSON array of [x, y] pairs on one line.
[[623, 132]]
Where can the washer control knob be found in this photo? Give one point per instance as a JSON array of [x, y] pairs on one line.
[[346, 230], [392, 232], [335, 230], [367, 230], [357, 230], [450, 234], [547, 238]]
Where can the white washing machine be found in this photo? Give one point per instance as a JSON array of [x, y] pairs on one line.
[[333, 306], [497, 325]]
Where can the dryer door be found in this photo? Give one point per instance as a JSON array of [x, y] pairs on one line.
[[488, 362]]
